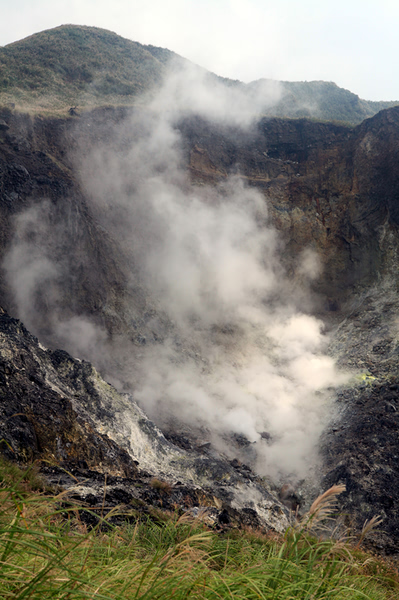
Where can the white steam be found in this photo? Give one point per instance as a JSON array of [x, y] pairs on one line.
[[191, 90], [37, 265], [239, 356]]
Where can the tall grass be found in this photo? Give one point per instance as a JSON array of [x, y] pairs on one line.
[[47, 552]]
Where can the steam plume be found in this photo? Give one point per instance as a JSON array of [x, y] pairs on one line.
[[237, 357]]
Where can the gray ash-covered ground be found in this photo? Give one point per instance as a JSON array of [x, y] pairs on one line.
[[361, 450], [143, 497], [361, 447]]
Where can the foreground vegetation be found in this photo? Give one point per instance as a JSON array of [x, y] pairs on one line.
[[46, 552]]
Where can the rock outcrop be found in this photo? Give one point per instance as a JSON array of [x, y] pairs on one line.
[[329, 187]]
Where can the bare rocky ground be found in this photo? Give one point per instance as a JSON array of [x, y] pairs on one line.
[[330, 187], [98, 443], [360, 448]]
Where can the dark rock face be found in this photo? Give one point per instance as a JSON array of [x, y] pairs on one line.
[[361, 448], [34, 169], [361, 451], [329, 187], [40, 421]]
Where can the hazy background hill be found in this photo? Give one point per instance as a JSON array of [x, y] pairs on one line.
[[322, 100], [87, 66]]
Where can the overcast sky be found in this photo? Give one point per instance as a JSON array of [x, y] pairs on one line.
[[352, 42]]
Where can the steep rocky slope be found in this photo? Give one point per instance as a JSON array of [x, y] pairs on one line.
[[58, 410], [328, 187]]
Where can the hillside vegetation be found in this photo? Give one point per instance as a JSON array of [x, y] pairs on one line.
[[72, 65], [87, 66], [322, 100]]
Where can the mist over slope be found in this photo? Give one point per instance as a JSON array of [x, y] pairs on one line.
[[87, 66], [238, 354]]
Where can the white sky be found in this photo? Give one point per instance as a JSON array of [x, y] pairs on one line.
[[352, 42]]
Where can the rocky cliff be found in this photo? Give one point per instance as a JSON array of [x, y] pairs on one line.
[[328, 188]]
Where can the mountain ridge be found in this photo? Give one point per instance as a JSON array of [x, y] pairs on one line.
[[87, 66]]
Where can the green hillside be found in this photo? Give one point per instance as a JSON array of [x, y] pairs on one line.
[[321, 100], [72, 65], [87, 66]]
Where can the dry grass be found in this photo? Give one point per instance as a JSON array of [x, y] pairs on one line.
[[161, 486], [368, 527], [322, 508]]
